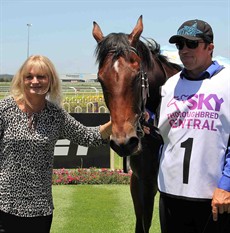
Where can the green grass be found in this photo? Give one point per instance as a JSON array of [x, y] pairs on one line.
[[95, 209]]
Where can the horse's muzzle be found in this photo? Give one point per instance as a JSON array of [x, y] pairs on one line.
[[128, 148]]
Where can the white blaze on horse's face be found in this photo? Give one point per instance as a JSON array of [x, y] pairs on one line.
[[116, 66]]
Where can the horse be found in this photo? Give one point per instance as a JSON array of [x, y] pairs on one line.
[[131, 73]]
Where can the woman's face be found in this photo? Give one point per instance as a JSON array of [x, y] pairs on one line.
[[36, 83]]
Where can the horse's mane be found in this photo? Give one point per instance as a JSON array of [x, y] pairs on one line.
[[118, 44], [155, 49]]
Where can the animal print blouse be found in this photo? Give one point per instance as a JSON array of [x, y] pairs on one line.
[[27, 153]]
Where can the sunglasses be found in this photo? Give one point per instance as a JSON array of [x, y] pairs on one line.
[[191, 44]]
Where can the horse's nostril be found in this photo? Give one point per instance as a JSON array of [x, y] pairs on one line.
[[116, 147], [133, 142]]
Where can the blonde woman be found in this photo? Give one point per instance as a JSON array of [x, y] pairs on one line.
[[31, 122]]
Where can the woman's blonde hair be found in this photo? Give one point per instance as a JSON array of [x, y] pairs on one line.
[[43, 65]]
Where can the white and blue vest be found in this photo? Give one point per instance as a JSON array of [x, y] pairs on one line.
[[195, 124]]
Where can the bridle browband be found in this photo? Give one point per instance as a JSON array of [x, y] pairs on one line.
[[114, 50]]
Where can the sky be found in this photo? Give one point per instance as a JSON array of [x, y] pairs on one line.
[[62, 30]]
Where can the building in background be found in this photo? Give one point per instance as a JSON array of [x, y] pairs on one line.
[[79, 77]]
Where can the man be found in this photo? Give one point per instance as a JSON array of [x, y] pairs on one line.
[[194, 121]]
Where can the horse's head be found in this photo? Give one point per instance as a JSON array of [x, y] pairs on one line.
[[121, 76]]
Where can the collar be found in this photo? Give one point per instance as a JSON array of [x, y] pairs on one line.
[[213, 69]]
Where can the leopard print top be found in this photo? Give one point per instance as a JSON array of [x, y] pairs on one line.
[[27, 153]]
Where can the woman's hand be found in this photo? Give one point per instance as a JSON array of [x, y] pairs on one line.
[[106, 130]]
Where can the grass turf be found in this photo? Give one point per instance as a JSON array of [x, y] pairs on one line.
[[95, 209]]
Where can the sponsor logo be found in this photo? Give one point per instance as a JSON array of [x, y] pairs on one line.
[[197, 111]]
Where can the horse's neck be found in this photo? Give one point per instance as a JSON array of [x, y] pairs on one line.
[[170, 71], [160, 73]]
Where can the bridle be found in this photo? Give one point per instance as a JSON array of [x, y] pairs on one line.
[[142, 75], [144, 95]]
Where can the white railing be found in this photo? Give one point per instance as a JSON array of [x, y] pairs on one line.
[[85, 104]]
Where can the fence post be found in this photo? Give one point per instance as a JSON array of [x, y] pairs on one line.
[[112, 154]]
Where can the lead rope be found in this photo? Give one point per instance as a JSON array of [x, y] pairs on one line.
[[205, 227]]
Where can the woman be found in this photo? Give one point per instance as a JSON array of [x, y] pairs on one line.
[[31, 122]]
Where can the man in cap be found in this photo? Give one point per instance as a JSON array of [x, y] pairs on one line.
[[194, 121]]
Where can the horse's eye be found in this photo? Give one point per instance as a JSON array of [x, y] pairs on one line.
[[132, 60]]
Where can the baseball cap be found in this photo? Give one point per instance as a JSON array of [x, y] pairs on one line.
[[193, 30]]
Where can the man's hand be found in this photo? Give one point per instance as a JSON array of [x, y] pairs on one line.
[[220, 203]]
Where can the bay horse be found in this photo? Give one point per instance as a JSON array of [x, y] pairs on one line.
[[131, 73]]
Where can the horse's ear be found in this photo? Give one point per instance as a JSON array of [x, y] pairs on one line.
[[97, 33], [136, 33]]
